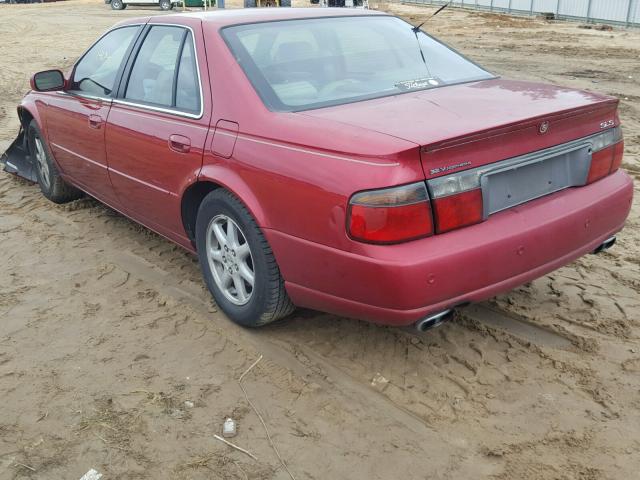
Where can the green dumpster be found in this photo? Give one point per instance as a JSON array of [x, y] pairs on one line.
[[197, 3]]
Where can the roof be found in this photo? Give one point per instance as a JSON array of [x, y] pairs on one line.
[[250, 15]]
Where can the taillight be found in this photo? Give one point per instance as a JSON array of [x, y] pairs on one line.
[[606, 154], [457, 200], [455, 211], [391, 215]]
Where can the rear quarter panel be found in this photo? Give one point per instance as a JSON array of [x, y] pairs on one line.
[[296, 173]]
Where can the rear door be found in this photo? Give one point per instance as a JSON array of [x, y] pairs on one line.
[[158, 125], [76, 118]]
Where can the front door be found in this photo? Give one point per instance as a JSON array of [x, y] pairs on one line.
[[76, 118], [156, 130]]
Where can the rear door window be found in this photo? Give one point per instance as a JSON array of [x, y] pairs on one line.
[[153, 72], [188, 86], [164, 73]]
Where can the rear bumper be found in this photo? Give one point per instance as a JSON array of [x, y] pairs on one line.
[[400, 284]]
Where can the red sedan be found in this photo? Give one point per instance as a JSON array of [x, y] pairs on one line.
[[338, 160]]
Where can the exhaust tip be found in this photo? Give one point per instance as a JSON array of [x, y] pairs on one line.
[[606, 245], [433, 321]]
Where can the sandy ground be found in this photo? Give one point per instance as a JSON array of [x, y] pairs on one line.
[[107, 329]]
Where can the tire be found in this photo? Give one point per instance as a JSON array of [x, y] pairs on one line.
[[267, 298], [249, 3], [51, 183], [117, 5], [166, 5]]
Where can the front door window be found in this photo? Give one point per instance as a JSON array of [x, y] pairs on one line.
[[95, 73]]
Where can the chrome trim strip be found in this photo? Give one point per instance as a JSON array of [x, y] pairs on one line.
[[162, 119], [80, 94], [522, 159], [303, 150], [82, 157], [112, 170], [171, 111], [530, 158], [137, 180], [484, 172]]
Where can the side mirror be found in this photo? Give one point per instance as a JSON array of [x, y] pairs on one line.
[[47, 81]]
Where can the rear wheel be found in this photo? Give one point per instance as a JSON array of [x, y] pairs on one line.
[[51, 183], [117, 5], [166, 5], [237, 262]]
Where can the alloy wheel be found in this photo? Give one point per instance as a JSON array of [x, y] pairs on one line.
[[230, 259], [43, 165]]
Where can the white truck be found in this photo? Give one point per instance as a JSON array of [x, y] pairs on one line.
[[122, 4]]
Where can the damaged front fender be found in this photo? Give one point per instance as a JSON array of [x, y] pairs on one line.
[[17, 160]]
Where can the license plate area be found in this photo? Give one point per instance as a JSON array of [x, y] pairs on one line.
[[519, 182]]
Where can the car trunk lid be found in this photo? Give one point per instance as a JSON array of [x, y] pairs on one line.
[[470, 125], [491, 145]]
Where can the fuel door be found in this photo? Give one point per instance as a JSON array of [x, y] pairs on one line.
[[224, 138]]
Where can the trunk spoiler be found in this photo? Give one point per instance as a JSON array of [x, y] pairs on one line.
[[16, 159]]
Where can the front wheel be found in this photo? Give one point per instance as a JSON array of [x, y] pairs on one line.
[[117, 5], [166, 5], [237, 263], [51, 183]]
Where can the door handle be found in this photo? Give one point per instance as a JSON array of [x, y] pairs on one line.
[[95, 121], [179, 143]]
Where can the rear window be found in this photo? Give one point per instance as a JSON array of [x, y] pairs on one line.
[[303, 64]]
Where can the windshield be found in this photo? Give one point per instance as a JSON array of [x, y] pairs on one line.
[[303, 64]]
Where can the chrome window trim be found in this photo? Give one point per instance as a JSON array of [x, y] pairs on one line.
[[170, 111], [73, 93]]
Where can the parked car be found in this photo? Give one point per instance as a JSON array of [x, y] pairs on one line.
[[342, 161], [266, 3], [163, 4]]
